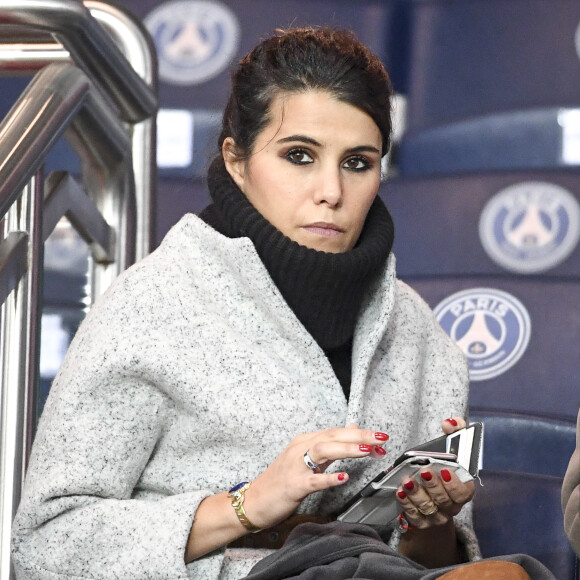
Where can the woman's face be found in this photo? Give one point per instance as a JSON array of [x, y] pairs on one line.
[[314, 170]]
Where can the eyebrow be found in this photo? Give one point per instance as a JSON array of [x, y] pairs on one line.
[[311, 141]]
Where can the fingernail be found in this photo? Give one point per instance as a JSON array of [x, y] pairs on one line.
[[380, 450], [426, 475], [409, 485], [452, 421], [402, 494], [365, 448], [341, 476], [446, 475], [381, 436]]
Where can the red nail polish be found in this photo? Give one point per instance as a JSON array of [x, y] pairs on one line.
[[381, 436], [409, 485], [446, 475], [452, 421], [380, 450], [341, 476], [402, 494], [365, 448], [426, 475]]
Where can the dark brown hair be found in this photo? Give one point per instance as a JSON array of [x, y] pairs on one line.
[[299, 60]]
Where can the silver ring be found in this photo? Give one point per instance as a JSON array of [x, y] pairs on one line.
[[310, 464], [432, 511]]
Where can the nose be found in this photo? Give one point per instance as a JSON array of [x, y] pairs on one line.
[[329, 189]]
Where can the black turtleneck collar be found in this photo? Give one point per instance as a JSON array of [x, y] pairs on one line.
[[324, 290]]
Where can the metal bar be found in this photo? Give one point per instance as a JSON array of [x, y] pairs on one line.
[[19, 342], [62, 100], [32, 313], [136, 44], [90, 47], [59, 95], [65, 197], [13, 262], [16, 58]]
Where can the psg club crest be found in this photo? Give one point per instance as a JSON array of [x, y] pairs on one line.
[[530, 227], [195, 39], [490, 326]]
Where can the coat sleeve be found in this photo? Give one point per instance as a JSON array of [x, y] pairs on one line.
[[571, 495], [82, 513]]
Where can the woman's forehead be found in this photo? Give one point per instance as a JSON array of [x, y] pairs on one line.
[[320, 116]]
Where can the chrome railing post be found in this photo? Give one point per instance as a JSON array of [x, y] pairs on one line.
[[137, 100], [19, 341], [136, 45], [107, 113]]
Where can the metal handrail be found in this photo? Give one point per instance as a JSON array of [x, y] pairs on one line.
[[100, 92], [36, 32], [73, 25]]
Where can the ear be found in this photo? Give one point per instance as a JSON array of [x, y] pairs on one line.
[[235, 165]]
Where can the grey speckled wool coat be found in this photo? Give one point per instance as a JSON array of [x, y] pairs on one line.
[[190, 375]]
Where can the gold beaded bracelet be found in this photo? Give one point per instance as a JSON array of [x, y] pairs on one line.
[[237, 496]]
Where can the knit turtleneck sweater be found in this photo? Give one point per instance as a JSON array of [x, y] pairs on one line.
[[324, 290]]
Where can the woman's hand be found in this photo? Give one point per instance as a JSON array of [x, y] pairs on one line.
[[433, 500], [428, 504], [276, 493]]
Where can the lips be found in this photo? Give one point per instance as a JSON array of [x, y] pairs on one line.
[[324, 229]]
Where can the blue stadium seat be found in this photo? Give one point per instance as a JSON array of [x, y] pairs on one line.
[[517, 507], [525, 443], [520, 513], [377, 23], [538, 378], [444, 246], [529, 139], [439, 229], [479, 57], [486, 83], [450, 235]]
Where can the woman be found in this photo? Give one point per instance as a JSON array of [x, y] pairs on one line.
[[267, 342]]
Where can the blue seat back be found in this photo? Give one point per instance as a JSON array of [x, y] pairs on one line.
[[477, 57]]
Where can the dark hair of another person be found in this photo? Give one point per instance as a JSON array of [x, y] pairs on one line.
[[301, 60]]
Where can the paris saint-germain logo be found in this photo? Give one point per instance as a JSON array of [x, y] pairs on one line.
[[490, 326], [530, 227], [195, 39]]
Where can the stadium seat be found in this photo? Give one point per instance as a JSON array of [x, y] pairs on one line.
[[483, 231], [530, 139], [479, 57], [441, 223], [487, 82], [517, 507], [465, 243], [521, 513]]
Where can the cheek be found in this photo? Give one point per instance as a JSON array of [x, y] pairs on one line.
[[363, 199]]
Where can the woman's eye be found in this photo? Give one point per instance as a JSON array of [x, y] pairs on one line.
[[356, 164], [299, 157]]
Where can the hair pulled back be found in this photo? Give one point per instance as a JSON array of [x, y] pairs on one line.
[[299, 60]]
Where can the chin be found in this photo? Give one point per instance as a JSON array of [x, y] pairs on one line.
[[328, 248]]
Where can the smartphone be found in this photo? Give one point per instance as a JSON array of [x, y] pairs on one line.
[[376, 503], [429, 454]]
